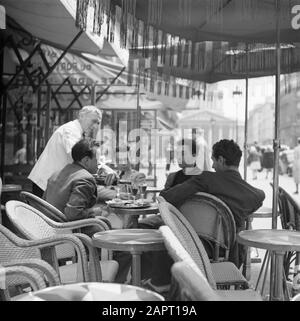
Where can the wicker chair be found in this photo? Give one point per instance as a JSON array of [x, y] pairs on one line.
[[34, 225], [290, 220], [194, 286], [29, 275], [218, 274], [52, 212], [44, 269], [215, 226], [17, 251]]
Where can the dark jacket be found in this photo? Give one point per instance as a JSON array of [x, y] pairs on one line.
[[73, 191], [242, 198], [179, 177], [268, 160]]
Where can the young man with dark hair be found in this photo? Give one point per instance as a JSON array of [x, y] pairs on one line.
[[73, 189], [226, 183]]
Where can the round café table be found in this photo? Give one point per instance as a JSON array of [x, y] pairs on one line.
[[91, 291], [278, 242], [134, 241], [262, 212], [129, 216]]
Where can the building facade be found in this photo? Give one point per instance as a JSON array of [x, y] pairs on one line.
[[212, 125], [261, 124], [290, 118]]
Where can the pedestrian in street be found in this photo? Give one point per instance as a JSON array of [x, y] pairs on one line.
[[296, 166], [170, 153], [268, 160], [254, 161]]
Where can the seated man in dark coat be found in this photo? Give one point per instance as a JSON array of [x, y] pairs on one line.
[[226, 183], [73, 189]]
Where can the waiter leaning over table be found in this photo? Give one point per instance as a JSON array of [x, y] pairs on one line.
[[57, 153]]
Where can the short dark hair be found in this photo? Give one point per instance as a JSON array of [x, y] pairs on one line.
[[190, 142], [83, 148], [229, 149]]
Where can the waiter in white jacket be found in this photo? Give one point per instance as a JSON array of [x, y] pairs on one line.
[[57, 152]]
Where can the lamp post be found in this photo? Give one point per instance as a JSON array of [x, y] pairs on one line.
[[236, 93], [212, 124]]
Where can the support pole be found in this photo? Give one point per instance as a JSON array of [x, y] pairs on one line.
[[246, 130], [246, 115], [3, 133], [138, 120], [93, 94], [155, 154], [38, 124], [276, 142], [2, 105], [48, 112]]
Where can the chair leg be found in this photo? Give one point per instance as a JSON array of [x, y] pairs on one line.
[[262, 269], [266, 272]]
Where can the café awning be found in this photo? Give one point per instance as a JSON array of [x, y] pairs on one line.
[[208, 40], [125, 97], [53, 22], [219, 20]]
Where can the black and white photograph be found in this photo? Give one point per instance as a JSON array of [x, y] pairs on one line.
[[149, 151]]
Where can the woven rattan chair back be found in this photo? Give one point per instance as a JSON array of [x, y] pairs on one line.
[[187, 237], [30, 276], [175, 248], [289, 211], [32, 224], [43, 206], [290, 220], [213, 221], [10, 252], [192, 283]]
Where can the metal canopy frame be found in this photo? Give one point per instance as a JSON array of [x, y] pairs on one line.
[[36, 79]]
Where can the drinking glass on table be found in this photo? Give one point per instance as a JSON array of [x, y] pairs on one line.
[[142, 188], [128, 190], [134, 191], [117, 188]]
